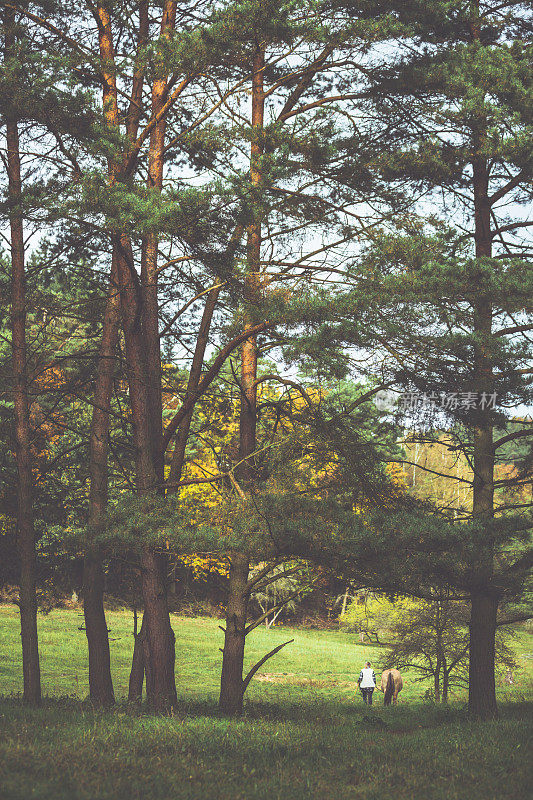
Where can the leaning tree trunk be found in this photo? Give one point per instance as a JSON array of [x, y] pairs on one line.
[[100, 681], [195, 374], [25, 529], [232, 686], [180, 444], [135, 688]]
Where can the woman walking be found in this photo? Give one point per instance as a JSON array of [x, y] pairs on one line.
[[367, 682]]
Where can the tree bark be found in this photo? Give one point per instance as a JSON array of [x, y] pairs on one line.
[[100, 681], [149, 273], [445, 682], [231, 683], [438, 669], [159, 647], [482, 690], [436, 683], [158, 640], [141, 666], [25, 527], [161, 689], [482, 683], [138, 308]]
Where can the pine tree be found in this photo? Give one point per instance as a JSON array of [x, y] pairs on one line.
[[452, 299], [290, 151], [25, 520]]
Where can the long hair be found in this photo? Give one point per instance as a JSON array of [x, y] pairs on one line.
[[389, 690]]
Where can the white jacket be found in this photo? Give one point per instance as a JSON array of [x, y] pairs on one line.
[[367, 679]]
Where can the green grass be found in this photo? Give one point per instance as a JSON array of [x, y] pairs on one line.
[[305, 732]]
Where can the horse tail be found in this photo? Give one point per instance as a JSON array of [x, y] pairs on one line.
[[389, 690]]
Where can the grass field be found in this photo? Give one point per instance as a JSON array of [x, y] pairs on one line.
[[305, 732]]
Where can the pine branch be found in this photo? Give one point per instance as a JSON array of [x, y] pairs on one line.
[[512, 184], [510, 437], [281, 603], [277, 576], [512, 620], [261, 574], [515, 329], [522, 564]]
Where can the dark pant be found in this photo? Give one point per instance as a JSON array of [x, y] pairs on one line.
[[367, 695]]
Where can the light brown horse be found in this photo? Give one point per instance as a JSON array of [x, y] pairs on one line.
[[392, 685]]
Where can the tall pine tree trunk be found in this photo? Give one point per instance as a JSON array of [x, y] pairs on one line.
[[159, 639], [161, 689], [100, 681], [149, 271], [143, 344], [484, 603], [159, 649], [438, 667], [231, 683], [137, 311], [482, 688], [25, 529]]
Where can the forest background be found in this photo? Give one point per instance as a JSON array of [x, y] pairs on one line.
[[267, 318]]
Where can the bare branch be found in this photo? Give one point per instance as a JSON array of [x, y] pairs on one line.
[[259, 664]]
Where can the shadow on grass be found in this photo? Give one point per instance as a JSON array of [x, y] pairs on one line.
[[405, 718]]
